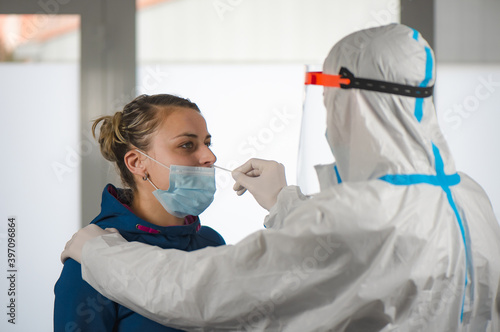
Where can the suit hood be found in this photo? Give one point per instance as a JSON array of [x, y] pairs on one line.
[[371, 133]]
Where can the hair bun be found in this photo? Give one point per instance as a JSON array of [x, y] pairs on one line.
[[110, 135]]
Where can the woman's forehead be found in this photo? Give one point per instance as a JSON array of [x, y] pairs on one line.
[[183, 121]]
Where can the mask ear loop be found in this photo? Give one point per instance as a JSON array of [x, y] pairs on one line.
[[152, 184], [153, 159], [146, 175]]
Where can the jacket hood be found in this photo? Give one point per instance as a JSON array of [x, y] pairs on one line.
[[371, 133]]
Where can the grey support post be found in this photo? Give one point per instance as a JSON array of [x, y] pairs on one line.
[[419, 14]]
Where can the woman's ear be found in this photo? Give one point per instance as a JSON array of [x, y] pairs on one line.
[[135, 163]]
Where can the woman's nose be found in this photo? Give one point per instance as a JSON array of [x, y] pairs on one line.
[[207, 157]]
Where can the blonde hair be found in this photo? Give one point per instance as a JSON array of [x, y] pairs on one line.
[[132, 128]]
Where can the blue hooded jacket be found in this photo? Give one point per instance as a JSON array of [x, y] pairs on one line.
[[79, 307]]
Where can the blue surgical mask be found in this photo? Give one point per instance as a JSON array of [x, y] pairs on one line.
[[190, 192]]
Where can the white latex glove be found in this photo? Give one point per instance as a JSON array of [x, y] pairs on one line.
[[73, 248], [264, 179]]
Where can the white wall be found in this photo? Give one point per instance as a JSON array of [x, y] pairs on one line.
[[467, 99], [40, 183]]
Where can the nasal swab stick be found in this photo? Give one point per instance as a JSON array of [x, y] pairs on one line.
[[222, 168]]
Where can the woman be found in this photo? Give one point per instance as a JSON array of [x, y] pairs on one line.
[[158, 142]]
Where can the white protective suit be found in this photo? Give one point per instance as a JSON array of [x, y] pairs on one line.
[[368, 254]]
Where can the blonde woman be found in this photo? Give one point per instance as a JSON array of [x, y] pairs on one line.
[[161, 147]]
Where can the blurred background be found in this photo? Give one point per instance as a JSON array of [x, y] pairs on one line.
[[65, 62]]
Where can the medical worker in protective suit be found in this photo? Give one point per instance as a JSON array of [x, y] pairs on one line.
[[399, 241]]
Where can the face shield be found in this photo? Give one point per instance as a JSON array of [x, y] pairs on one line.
[[313, 147]]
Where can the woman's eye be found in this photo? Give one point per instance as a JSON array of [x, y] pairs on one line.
[[188, 145], [209, 144]]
